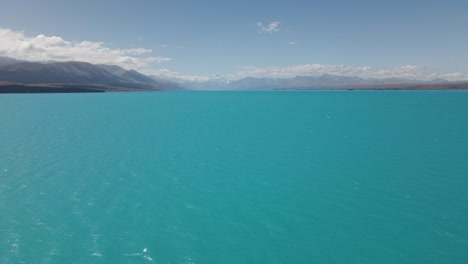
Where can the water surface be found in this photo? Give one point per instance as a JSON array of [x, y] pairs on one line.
[[234, 177]]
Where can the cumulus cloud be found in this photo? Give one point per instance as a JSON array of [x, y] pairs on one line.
[[406, 72], [270, 28], [17, 45]]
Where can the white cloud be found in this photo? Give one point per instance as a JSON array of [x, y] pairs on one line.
[[292, 43], [43, 48], [407, 72], [270, 28]]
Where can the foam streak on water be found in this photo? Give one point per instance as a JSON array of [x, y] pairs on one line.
[[234, 177]]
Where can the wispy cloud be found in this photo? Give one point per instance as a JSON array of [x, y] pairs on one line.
[[407, 72], [270, 28], [17, 45], [292, 43]]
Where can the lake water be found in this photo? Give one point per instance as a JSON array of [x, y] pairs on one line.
[[234, 177]]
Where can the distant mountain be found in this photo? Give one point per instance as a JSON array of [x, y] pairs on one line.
[[106, 77], [439, 80], [57, 72], [251, 83], [7, 61], [130, 75], [215, 82], [114, 69], [134, 76], [23, 76], [326, 81]]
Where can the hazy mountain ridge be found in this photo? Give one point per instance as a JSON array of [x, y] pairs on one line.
[[67, 74], [128, 75], [325, 81], [52, 76], [7, 61], [57, 72]]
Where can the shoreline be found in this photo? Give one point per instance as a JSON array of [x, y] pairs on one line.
[[17, 88]]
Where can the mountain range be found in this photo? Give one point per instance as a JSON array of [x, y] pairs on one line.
[[25, 76], [74, 76], [325, 81]]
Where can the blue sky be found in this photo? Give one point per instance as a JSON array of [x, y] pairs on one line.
[[245, 38]]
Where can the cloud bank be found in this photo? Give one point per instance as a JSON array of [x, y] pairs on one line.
[[272, 27], [17, 45]]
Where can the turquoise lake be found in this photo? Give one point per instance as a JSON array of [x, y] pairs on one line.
[[234, 177]]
